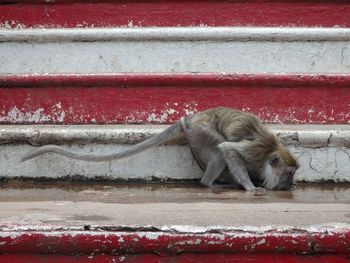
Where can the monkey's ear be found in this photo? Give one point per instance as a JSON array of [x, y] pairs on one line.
[[275, 159]]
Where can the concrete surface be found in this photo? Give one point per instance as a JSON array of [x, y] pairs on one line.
[[207, 33], [322, 150], [71, 204], [305, 135], [239, 50]]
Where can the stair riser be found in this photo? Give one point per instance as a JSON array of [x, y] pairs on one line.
[[242, 50], [322, 151], [174, 13], [164, 98]]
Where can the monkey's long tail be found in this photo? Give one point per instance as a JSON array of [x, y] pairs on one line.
[[169, 134]]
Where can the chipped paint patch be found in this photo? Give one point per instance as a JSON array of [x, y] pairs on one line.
[[190, 108], [162, 117], [261, 242], [15, 115], [185, 229], [150, 235], [12, 24]]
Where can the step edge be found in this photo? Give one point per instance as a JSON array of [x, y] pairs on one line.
[[269, 34], [311, 136]]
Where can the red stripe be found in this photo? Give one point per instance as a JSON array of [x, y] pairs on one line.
[[157, 98], [175, 13], [168, 80], [180, 258], [294, 242]]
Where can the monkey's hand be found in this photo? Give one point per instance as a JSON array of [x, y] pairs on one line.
[[259, 191]]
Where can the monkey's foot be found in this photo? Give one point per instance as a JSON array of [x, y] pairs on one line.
[[206, 182], [258, 191]]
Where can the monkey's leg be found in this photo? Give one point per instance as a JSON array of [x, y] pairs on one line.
[[193, 150], [204, 142], [237, 166]]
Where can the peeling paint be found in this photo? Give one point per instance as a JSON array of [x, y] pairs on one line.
[[163, 117], [155, 232], [15, 115], [18, 116], [185, 229], [150, 235], [190, 108], [262, 241], [130, 23], [122, 258], [167, 103], [12, 24]]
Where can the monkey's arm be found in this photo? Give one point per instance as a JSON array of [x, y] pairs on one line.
[[236, 165]]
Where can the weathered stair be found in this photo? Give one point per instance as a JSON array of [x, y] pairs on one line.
[[98, 76]]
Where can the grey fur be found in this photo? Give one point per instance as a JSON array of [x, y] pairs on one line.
[[226, 143], [169, 134]]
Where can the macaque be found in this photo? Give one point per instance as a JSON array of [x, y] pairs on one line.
[[226, 143]]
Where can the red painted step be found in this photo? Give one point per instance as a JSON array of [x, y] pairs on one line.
[[163, 98], [75, 13], [181, 258], [152, 246]]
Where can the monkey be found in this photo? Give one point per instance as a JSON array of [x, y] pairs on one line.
[[224, 139], [219, 139], [225, 143]]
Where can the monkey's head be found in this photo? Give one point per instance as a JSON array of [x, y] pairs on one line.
[[279, 170]]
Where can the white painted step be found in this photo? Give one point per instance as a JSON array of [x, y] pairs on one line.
[[323, 152], [175, 49]]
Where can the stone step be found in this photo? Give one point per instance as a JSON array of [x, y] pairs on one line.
[[112, 220], [75, 13], [175, 49], [164, 98], [322, 150]]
